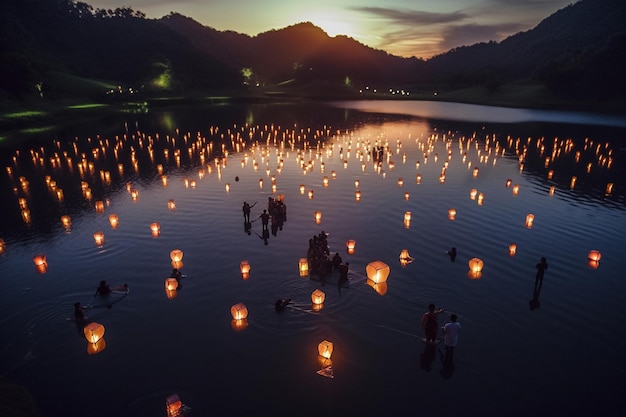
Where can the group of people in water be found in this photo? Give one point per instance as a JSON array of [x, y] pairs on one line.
[[321, 264], [276, 212], [103, 290]]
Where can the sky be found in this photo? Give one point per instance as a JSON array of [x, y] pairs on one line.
[[420, 28]]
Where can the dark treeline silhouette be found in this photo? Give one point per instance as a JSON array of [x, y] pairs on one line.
[[576, 52]]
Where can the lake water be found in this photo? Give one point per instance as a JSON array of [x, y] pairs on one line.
[[556, 350]]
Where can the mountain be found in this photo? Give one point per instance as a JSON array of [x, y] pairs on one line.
[[576, 52]]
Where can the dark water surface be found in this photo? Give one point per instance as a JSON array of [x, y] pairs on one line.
[[521, 352]]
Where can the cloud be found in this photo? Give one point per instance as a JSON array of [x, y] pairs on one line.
[[411, 17]]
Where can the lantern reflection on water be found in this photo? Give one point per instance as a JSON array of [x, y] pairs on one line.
[[303, 267], [39, 259], [380, 288], [239, 311], [94, 348], [114, 220], [377, 271], [93, 332]]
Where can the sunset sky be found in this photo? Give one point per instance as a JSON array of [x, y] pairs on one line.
[[421, 28]]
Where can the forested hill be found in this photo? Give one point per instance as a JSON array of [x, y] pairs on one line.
[[577, 51]]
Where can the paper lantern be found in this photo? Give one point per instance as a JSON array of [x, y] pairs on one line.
[[114, 220], [134, 194], [227, 186], [405, 258], [325, 181], [66, 221], [174, 405], [508, 183], [475, 174], [2, 245], [400, 182], [164, 180], [99, 238], [609, 188], [481, 199], [93, 332], [99, 206], [171, 205], [530, 218], [318, 297], [550, 174], [572, 182], [171, 284], [594, 255], [356, 183], [452, 214], [239, 311], [407, 196], [325, 349], [350, 244], [303, 267], [176, 255], [155, 228], [551, 192], [516, 189], [318, 217], [244, 267], [302, 188], [94, 348], [39, 259], [377, 271], [475, 264], [357, 195], [418, 179], [310, 194], [512, 249], [473, 193]]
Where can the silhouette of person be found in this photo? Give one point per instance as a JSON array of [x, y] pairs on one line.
[[429, 323], [281, 303], [428, 357], [79, 312], [265, 237], [541, 268], [265, 219], [451, 332], [247, 228], [343, 275], [103, 288], [452, 253]]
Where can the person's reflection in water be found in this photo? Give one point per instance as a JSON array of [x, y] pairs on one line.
[[428, 356], [534, 303], [265, 237], [247, 227]]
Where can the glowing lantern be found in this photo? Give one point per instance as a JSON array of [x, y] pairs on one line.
[[325, 349], [609, 188], [356, 183], [551, 192], [99, 238], [176, 255], [594, 255], [134, 194], [350, 244], [303, 267], [512, 249], [114, 220], [174, 405], [508, 183], [302, 188], [239, 311], [405, 258], [400, 182], [377, 271], [99, 206], [171, 205], [407, 219], [66, 221], [318, 217], [244, 266], [572, 182], [171, 284], [239, 325], [516, 189], [2, 245], [94, 348], [227, 186], [310, 194], [357, 195], [475, 171], [155, 228], [418, 179], [325, 181], [39, 259], [164, 180], [481, 199], [550, 174], [473, 193], [318, 297], [530, 218], [407, 196], [93, 332], [452, 214]]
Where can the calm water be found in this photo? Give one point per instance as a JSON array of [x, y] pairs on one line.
[[559, 355]]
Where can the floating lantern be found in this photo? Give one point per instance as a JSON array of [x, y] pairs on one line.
[[2, 245], [475, 268], [94, 348], [551, 192], [473, 193], [227, 186], [512, 249], [66, 221], [594, 255], [530, 218], [475, 174], [176, 255], [239, 311], [516, 189], [452, 214], [134, 194], [318, 297], [407, 219], [174, 406], [572, 182], [481, 199], [400, 182], [310, 194], [357, 195], [93, 332], [39, 259], [171, 284], [155, 228], [550, 174], [244, 267], [164, 180], [357, 183], [171, 205], [609, 188], [26, 215], [407, 196], [418, 179], [303, 267], [99, 206], [350, 244], [318, 217], [508, 183], [114, 220], [302, 188], [325, 349], [325, 181], [377, 271], [99, 238], [405, 258]]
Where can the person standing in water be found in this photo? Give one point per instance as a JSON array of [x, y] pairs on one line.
[[429, 323], [451, 332]]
